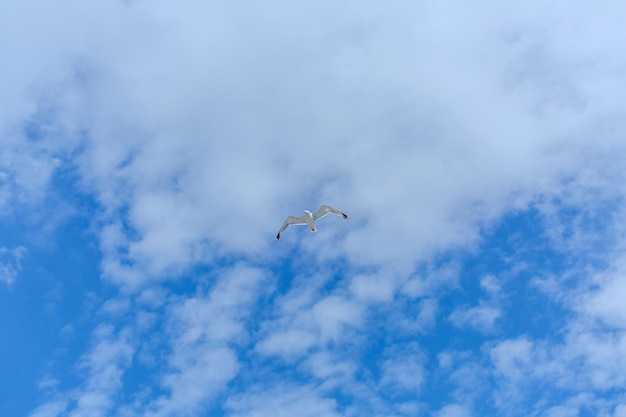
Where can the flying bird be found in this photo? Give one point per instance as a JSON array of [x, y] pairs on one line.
[[310, 218]]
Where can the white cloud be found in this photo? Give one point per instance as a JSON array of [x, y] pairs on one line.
[[199, 373], [588, 363], [426, 318], [602, 356], [335, 315], [481, 317], [454, 410], [470, 380], [173, 160], [287, 342], [333, 371], [403, 370], [562, 411], [50, 409], [104, 364], [377, 287], [10, 264], [620, 411], [202, 330], [284, 401], [513, 358], [605, 302], [329, 320], [491, 285], [432, 281], [116, 306]]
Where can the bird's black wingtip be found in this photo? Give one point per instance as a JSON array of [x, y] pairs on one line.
[[278, 236]]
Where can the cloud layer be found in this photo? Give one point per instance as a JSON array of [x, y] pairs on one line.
[[478, 150]]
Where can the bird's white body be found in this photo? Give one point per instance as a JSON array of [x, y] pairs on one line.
[[310, 221], [309, 218]]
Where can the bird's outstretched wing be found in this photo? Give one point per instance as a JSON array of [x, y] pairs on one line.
[[289, 221], [324, 210]]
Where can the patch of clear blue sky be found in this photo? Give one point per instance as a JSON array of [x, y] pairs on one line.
[[57, 286], [47, 315]]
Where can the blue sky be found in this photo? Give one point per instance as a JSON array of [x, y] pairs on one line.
[[149, 152]]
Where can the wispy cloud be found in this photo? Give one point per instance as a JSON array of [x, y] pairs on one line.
[[481, 317], [283, 401], [10, 264], [328, 320], [454, 410], [204, 331], [102, 367], [403, 369]]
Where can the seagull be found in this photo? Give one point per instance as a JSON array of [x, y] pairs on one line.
[[310, 218]]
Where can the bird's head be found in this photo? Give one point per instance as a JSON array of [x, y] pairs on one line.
[[308, 213]]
